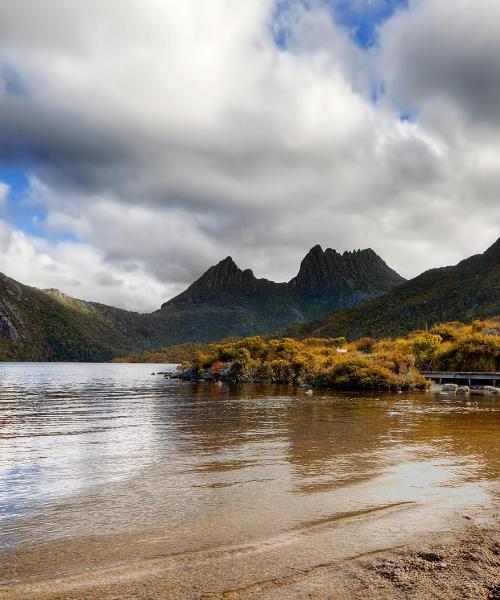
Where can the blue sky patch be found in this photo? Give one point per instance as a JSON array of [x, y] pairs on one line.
[[361, 17], [21, 211]]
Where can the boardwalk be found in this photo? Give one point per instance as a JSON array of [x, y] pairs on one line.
[[469, 378]]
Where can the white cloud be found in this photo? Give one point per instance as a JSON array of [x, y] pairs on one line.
[[80, 270], [168, 135]]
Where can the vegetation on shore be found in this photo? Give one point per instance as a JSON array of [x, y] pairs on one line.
[[176, 354], [366, 364]]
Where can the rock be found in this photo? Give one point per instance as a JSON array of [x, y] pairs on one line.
[[8, 329], [12, 287], [389, 562], [490, 389], [309, 392], [449, 387], [463, 390], [9, 311], [430, 556]]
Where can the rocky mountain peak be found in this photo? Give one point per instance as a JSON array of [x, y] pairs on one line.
[[355, 275], [328, 269], [224, 277], [225, 273]]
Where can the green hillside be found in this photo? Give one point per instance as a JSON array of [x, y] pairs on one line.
[[47, 325], [463, 292]]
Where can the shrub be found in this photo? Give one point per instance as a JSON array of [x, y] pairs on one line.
[[448, 332], [377, 365], [360, 374], [365, 345], [425, 346], [282, 371], [473, 353]]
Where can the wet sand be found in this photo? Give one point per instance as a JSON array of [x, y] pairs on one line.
[[314, 562], [465, 567]]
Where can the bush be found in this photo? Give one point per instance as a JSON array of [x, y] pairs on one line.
[[425, 346], [473, 353], [365, 345], [358, 374]]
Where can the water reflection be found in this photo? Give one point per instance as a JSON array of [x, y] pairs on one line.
[[93, 449]]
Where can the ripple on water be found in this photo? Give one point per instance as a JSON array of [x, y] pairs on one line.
[[93, 449]]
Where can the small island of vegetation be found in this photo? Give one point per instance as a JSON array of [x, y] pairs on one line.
[[364, 364]]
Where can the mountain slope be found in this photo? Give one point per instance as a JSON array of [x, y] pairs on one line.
[[225, 301], [463, 292]]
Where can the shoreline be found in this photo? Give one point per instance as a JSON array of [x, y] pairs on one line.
[[433, 389], [456, 565]]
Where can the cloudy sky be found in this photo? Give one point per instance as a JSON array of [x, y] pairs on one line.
[[142, 141]]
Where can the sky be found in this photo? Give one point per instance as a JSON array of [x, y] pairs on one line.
[[142, 141]]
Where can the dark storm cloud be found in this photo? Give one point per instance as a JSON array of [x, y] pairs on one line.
[[447, 51]]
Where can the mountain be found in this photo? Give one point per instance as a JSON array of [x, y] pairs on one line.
[[48, 325], [225, 301], [468, 290], [330, 279]]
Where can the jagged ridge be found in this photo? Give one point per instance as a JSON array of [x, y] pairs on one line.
[[329, 269], [466, 291], [227, 277], [227, 301]]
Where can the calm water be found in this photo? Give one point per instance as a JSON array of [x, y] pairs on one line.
[[90, 449]]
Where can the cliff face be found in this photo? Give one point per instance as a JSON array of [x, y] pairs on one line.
[[329, 270], [321, 272], [226, 274]]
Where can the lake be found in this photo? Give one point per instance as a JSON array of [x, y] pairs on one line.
[[107, 464]]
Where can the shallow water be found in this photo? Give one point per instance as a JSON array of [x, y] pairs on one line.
[[110, 450]]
